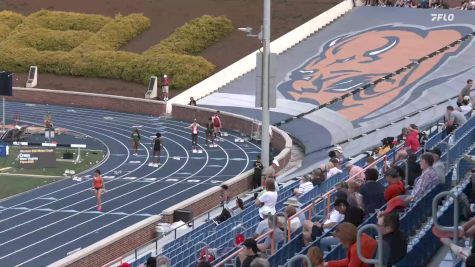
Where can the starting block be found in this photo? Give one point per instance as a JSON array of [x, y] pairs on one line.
[[213, 145], [75, 178], [224, 134], [239, 140], [197, 151]]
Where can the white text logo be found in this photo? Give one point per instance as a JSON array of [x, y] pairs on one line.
[[442, 17]]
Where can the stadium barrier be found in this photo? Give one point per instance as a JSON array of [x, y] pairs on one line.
[[248, 63], [88, 100]]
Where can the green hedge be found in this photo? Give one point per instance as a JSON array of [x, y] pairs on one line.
[[47, 40], [116, 33], [194, 36], [64, 21], [4, 31], [11, 19]]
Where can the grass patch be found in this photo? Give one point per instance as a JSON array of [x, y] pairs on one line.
[[12, 185]]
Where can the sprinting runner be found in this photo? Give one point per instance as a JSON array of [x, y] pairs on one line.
[[156, 147], [98, 186], [135, 141], [217, 124], [194, 134], [209, 131]]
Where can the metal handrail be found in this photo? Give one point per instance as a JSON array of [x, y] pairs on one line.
[[327, 195], [379, 238], [435, 204], [300, 257]]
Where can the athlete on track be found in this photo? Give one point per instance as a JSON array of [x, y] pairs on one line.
[[156, 147], [194, 134], [135, 141], [217, 124], [98, 186], [209, 131]]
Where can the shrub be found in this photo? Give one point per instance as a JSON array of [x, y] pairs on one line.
[[4, 30], [116, 33], [11, 19], [63, 21], [44, 39], [194, 36]]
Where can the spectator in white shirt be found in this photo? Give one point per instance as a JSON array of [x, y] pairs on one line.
[[305, 186], [267, 200], [332, 169], [294, 222], [466, 106]]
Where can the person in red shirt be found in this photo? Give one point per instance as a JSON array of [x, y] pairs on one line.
[[395, 184], [346, 234], [412, 138], [217, 124], [98, 186], [165, 86]]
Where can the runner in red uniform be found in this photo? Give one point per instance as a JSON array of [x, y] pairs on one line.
[[98, 186], [217, 124]]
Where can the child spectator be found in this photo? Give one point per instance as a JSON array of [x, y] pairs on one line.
[[395, 185]]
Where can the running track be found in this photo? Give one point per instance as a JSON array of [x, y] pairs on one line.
[[41, 226]]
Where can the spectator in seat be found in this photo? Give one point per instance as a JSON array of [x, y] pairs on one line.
[[338, 153], [346, 234], [295, 222], [402, 137], [395, 184], [203, 264], [249, 253], [262, 226], [412, 139], [467, 106], [341, 190], [355, 199], [372, 192], [315, 256], [305, 186], [278, 233], [260, 262], [394, 242], [428, 178], [313, 230], [332, 168], [413, 168], [318, 176], [354, 171], [465, 92], [151, 262], [453, 118], [353, 215], [387, 145], [292, 201], [239, 207], [438, 166], [267, 200]]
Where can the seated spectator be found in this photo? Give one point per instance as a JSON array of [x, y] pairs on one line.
[[372, 192], [151, 262], [337, 153], [313, 230], [387, 145], [305, 186], [412, 138], [413, 168], [428, 178], [239, 207], [402, 137], [225, 214], [341, 190], [438, 166], [395, 185], [162, 261], [354, 171], [318, 176], [262, 226], [260, 262], [203, 264], [466, 106], [267, 200], [332, 169], [295, 222], [355, 199], [292, 201], [278, 234], [346, 235], [394, 242], [249, 253], [353, 215], [315, 256], [453, 119], [400, 160]]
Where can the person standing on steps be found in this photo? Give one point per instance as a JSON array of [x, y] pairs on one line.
[[258, 167], [217, 124], [209, 131], [194, 134], [135, 141], [98, 186], [165, 85], [156, 147]]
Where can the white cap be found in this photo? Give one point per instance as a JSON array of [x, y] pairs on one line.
[[339, 149], [164, 75], [467, 97], [276, 162]]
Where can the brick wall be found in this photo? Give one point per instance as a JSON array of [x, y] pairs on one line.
[[87, 100]]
